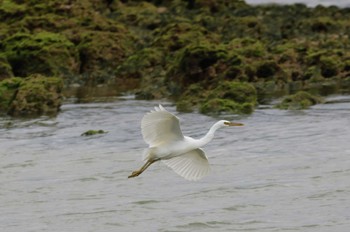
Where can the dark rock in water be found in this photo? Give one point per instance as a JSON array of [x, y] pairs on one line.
[[93, 132]]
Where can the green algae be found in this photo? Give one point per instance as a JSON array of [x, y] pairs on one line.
[[34, 95], [298, 101], [44, 52], [93, 132], [8, 89], [228, 97], [168, 49], [5, 67], [218, 106]]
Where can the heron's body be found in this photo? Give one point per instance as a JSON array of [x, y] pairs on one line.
[[171, 149], [161, 130]]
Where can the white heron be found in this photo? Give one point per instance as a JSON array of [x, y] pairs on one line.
[[161, 130]]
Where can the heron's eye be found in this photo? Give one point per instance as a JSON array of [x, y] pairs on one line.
[[227, 123]]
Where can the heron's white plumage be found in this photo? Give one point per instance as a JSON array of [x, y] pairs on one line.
[[192, 165], [161, 130], [160, 127]]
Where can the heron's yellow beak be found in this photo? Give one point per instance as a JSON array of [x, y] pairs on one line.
[[233, 124]]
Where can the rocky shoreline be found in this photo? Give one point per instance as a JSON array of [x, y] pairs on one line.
[[215, 56]]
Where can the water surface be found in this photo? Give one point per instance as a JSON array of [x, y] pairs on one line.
[[282, 171]]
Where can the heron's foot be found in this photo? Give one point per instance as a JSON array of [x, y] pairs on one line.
[[135, 173]]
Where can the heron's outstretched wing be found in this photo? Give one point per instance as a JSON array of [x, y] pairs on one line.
[[192, 165], [160, 127]]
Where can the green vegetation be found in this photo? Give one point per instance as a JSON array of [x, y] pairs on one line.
[[31, 96], [93, 132], [300, 100], [192, 52]]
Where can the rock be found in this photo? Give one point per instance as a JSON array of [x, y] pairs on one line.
[[101, 52], [217, 106], [300, 100], [5, 68], [36, 95], [93, 132], [231, 97], [8, 90], [46, 53]]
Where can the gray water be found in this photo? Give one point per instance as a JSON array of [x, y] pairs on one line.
[[311, 3], [282, 171]]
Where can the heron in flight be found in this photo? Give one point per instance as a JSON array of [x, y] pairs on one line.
[[161, 131]]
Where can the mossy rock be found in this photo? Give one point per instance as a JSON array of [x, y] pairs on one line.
[[141, 64], [300, 100], [37, 95], [47, 22], [218, 105], [11, 11], [176, 36], [232, 97], [46, 53], [143, 14], [197, 63], [266, 69], [329, 66], [5, 68], [240, 92], [8, 89], [194, 95], [209, 6], [248, 47], [93, 132], [101, 52]]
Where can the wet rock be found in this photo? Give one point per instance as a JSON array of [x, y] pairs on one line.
[[36, 95], [5, 68], [300, 100], [44, 52], [93, 132], [8, 90], [230, 97]]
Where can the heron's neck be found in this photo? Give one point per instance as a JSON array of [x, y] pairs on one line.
[[209, 136]]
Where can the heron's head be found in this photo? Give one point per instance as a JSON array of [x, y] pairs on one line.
[[228, 123]]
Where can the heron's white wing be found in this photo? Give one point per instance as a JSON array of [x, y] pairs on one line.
[[192, 165], [160, 126]]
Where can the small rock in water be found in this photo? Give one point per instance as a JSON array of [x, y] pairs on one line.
[[93, 132]]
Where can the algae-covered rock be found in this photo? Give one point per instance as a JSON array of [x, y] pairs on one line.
[[181, 34], [144, 15], [44, 52], [8, 89], [196, 63], [231, 97], [36, 95], [329, 66], [11, 10], [93, 132], [217, 106], [5, 68], [266, 69], [191, 98], [141, 63], [101, 52], [240, 92], [300, 100]]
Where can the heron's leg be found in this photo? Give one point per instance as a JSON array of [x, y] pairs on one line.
[[142, 169]]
